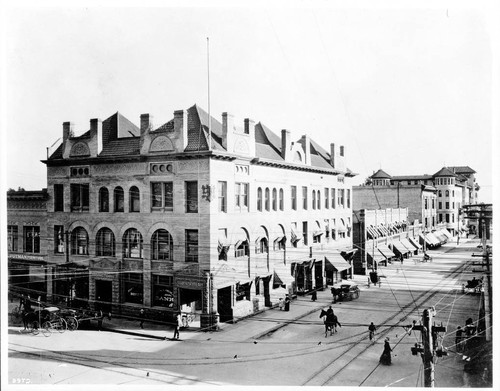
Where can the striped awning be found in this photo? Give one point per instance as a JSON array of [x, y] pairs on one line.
[[447, 233], [386, 251], [415, 243], [400, 247], [435, 241], [409, 245], [335, 261]]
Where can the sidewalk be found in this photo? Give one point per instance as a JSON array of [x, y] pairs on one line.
[[260, 324]]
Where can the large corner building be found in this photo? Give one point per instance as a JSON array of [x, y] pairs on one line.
[[194, 215]]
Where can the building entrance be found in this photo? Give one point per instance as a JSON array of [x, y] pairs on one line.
[[224, 301], [103, 295]]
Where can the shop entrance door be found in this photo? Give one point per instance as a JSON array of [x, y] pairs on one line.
[[224, 308], [103, 295]]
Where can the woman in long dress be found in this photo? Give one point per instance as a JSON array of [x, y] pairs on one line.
[[385, 358]]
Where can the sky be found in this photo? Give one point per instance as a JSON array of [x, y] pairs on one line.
[[408, 90]]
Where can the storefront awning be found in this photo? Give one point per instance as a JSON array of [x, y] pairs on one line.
[[435, 241], [334, 261], [409, 245], [386, 251], [318, 233], [398, 247], [447, 233], [293, 236], [415, 243], [441, 237], [341, 226], [376, 256]]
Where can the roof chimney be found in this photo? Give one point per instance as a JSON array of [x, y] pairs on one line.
[[332, 155], [67, 130], [146, 123], [286, 144], [96, 133], [180, 130], [228, 131]]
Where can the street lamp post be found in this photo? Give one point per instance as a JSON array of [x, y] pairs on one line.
[[68, 280]]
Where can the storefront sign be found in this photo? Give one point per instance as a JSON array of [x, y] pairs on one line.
[[27, 257], [190, 283]]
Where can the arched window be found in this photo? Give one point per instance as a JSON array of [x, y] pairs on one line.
[[440, 193], [134, 199], [79, 241], [282, 206], [162, 246], [119, 199], [447, 193], [275, 199], [105, 243], [241, 249], [259, 199], [318, 200], [132, 243], [103, 200], [261, 246], [314, 199], [266, 200]]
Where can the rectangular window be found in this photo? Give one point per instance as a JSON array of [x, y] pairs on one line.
[[58, 198], [348, 198], [447, 217], [327, 198], [341, 198], [452, 218], [59, 244], [133, 287], [304, 232], [433, 203], [294, 197], [440, 217], [304, 197], [440, 205], [447, 205], [191, 245], [163, 291], [222, 196], [425, 203], [31, 239], [162, 196], [453, 205], [333, 198], [241, 196], [12, 237], [79, 197], [192, 197]]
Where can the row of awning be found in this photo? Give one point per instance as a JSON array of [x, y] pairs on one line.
[[380, 230], [435, 238]]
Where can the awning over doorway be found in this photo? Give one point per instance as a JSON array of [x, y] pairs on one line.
[[435, 241], [376, 256], [334, 261], [410, 246], [415, 243], [386, 251], [447, 233]]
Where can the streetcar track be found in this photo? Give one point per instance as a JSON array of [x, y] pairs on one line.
[[421, 299]]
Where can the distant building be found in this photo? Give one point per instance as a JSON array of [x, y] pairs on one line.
[[430, 199], [27, 242], [417, 194], [195, 215]]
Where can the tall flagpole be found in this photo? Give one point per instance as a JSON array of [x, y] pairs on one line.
[[208, 77]]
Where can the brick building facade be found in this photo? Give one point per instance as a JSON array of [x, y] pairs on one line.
[[195, 215]]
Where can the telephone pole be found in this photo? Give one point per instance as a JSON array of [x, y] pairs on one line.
[[427, 348]]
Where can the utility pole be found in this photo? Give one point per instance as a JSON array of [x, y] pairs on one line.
[[427, 348]]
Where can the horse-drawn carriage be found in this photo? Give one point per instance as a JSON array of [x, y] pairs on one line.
[[473, 286], [346, 291]]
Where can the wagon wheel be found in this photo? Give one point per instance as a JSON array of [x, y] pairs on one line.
[[46, 329], [72, 323], [34, 327], [355, 294], [61, 325]]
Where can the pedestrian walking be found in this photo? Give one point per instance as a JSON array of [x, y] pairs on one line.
[[372, 329], [141, 317], [22, 300], [314, 295], [27, 304], [287, 303], [177, 325], [281, 304], [470, 329], [458, 339], [100, 317], [385, 358]]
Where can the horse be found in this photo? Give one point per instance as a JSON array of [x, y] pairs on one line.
[[328, 320]]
